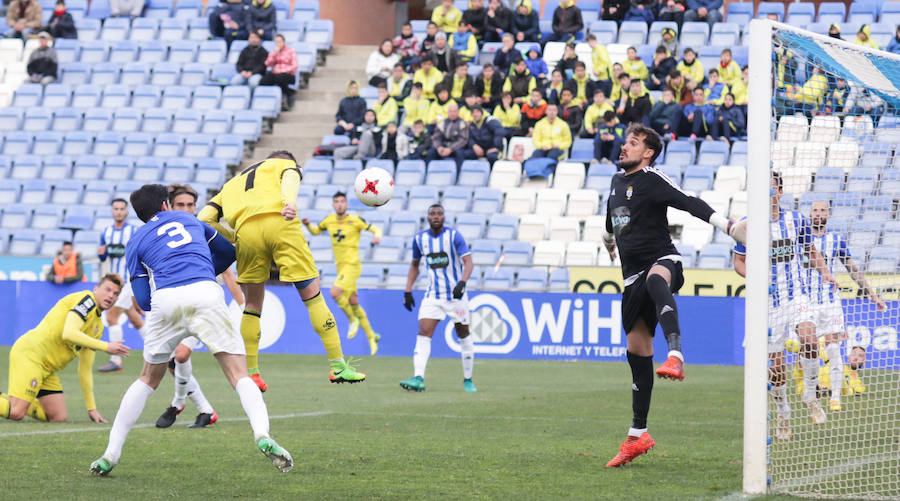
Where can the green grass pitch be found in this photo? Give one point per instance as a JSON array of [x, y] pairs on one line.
[[535, 430]]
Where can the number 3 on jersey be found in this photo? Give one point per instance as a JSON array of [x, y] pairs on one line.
[[177, 232]]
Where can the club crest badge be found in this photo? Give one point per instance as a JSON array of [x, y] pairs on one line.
[[629, 192]]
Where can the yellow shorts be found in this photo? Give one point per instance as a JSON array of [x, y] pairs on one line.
[[267, 237], [347, 277], [27, 377]]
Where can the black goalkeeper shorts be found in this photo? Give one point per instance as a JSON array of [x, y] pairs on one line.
[[636, 301]]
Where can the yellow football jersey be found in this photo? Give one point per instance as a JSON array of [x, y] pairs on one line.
[[344, 233], [256, 190], [46, 341]]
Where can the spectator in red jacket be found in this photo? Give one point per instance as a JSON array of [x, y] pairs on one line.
[[282, 62]]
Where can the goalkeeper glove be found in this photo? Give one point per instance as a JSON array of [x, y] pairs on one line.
[[459, 289], [408, 301]]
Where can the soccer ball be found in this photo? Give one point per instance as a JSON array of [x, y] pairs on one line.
[[374, 186]]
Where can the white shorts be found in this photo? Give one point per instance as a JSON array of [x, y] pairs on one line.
[[191, 342], [196, 309], [784, 320], [439, 309], [124, 300], [829, 318]]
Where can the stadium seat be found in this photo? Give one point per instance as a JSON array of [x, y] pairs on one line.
[[487, 200], [56, 167], [188, 9], [519, 201], [829, 180], [198, 146], [16, 216], [37, 119], [9, 191], [142, 29], [801, 13], [471, 226], [569, 176], [52, 242], [176, 97], [235, 98], [147, 169], [27, 167], [860, 180], [317, 171], [858, 128], [581, 254], [739, 13], [421, 197], [519, 149], [549, 253], [531, 279], [67, 119], [25, 242], [551, 202], [67, 191], [136, 144], [583, 203], [677, 153], [409, 173], [533, 227], [730, 178], [206, 98], [345, 171], [632, 33], [831, 12], [11, 119], [404, 224], [97, 192], [883, 259], [694, 34], [109, 143], [441, 173], [842, 154], [157, 120], [890, 181], [517, 252], [825, 129], [485, 252], [213, 122], [505, 175], [474, 173], [713, 153], [696, 233], [498, 279], [654, 36], [456, 198], [564, 229], [229, 148], [607, 32], [179, 170], [46, 142], [56, 95], [862, 13], [18, 143], [321, 33], [159, 8], [502, 227]]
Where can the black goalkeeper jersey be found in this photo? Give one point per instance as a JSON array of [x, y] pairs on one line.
[[636, 215]]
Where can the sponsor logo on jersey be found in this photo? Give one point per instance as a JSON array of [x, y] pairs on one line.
[[84, 307], [620, 218], [115, 250], [782, 250], [437, 260]]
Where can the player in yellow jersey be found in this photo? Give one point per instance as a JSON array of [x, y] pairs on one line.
[[260, 207], [71, 328], [345, 230]]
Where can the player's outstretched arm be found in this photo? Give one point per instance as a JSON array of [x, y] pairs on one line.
[[817, 262], [212, 213], [673, 195], [140, 287], [377, 232], [314, 229], [72, 332], [86, 376], [860, 278]]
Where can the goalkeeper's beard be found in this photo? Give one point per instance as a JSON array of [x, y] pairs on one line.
[[819, 223], [627, 165]]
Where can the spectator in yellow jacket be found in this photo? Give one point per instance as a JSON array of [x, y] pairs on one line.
[[729, 71], [691, 68], [428, 76], [438, 109], [509, 113], [634, 65], [552, 137], [385, 108], [415, 107], [464, 42], [593, 115], [446, 16]]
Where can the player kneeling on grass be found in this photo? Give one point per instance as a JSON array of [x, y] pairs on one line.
[[449, 264], [636, 222], [183, 257], [71, 328]]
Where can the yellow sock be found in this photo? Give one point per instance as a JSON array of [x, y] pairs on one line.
[[4, 406], [323, 322], [250, 332], [363, 320], [343, 302], [36, 410]]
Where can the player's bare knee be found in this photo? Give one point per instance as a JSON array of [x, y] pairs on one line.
[[335, 293], [17, 414], [182, 354], [462, 331]]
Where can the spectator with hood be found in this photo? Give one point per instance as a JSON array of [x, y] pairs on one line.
[[446, 16], [414, 145], [351, 110], [536, 65], [864, 37], [834, 31], [506, 55], [23, 18], [262, 19], [894, 45], [567, 22], [669, 41], [488, 86], [380, 63], [497, 21], [525, 24], [474, 16], [442, 54], [61, 24]]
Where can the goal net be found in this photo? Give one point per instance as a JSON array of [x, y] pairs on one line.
[[823, 187]]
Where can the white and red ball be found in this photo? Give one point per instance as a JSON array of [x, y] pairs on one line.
[[374, 186]]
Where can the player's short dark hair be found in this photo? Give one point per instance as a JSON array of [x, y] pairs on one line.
[[285, 154], [433, 206], [609, 116], [339, 194], [112, 277], [148, 199], [624, 75], [66, 243], [580, 64], [714, 71], [180, 189], [779, 182], [119, 200], [650, 139]]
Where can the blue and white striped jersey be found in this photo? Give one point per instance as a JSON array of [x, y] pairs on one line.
[[830, 245], [443, 257], [115, 241], [791, 239]]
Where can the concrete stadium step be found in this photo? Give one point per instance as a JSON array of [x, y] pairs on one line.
[[323, 120], [361, 51], [317, 84]]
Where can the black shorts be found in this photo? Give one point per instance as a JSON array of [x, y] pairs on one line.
[[636, 301], [44, 393]]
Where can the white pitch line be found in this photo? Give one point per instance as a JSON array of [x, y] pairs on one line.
[[151, 425], [838, 469]]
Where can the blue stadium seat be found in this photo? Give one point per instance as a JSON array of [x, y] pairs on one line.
[[345, 171], [18, 143], [98, 192], [474, 173], [137, 144], [9, 191], [11, 119], [829, 180], [198, 29], [195, 75], [165, 73], [206, 98], [85, 242], [210, 171], [28, 95], [698, 178], [25, 242], [66, 50], [86, 96], [317, 171], [390, 249], [94, 52], [831, 12], [116, 96], [178, 170], [862, 13], [176, 97], [292, 29], [879, 208], [87, 167], [801, 13], [188, 9], [409, 173], [211, 122], [53, 240], [606, 31], [861, 180], [717, 256], [599, 176], [229, 148], [678, 153], [726, 34], [890, 13], [157, 120], [126, 120], [305, 196], [211, 51], [484, 251], [108, 143], [883, 259], [688, 254], [105, 73], [324, 195], [517, 253], [88, 29], [167, 145], [890, 181], [404, 224], [67, 119], [187, 121], [152, 51], [143, 29], [27, 167], [766, 8], [487, 200], [15, 216], [694, 34], [457, 198], [321, 33], [502, 227], [534, 279], [632, 33], [46, 142], [198, 145], [34, 191], [306, 9], [655, 35], [136, 73], [471, 226], [235, 98], [67, 191], [78, 217], [123, 51], [118, 168], [57, 167], [441, 173], [266, 100], [159, 8], [713, 153], [147, 169], [501, 278], [56, 95], [883, 33], [421, 197]]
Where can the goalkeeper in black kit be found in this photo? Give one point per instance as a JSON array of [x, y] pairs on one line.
[[636, 223]]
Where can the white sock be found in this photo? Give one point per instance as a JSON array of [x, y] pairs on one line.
[[636, 432], [779, 394], [835, 369], [467, 352], [254, 407], [115, 334], [183, 374], [420, 355], [197, 397], [811, 377], [129, 411]]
